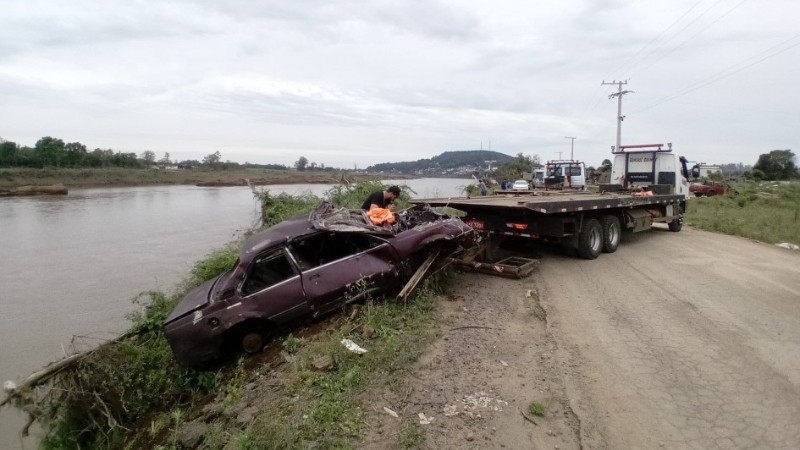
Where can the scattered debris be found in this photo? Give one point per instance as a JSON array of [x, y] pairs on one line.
[[323, 363], [789, 246], [503, 363], [424, 420], [390, 412], [353, 347], [450, 410]]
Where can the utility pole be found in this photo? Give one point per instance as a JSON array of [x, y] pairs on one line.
[[559, 155], [620, 117], [571, 147]]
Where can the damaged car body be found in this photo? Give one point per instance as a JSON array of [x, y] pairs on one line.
[[302, 268]]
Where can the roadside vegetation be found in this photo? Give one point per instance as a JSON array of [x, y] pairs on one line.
[[765, 211], [130, 393]]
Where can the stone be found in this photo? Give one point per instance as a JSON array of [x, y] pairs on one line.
[[191, 434], [322, 363]]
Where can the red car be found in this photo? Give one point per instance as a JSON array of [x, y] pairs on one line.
[[707, 188], [304, 267]]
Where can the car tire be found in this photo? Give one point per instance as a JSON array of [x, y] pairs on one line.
[[711, 193], [249, 337], [590, 239], [612, 233], [698, 194]]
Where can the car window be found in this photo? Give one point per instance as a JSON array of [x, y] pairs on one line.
[[574, 171], [323, 248], [267, 270]]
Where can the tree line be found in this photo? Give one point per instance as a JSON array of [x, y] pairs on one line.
[[53, 152]]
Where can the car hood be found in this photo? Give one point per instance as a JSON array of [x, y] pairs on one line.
[[196, 298]]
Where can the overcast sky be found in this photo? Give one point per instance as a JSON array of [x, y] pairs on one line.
[[353, 83]]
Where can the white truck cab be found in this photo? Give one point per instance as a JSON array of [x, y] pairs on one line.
[[650, 166]]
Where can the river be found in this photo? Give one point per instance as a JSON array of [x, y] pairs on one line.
[[71, 265]]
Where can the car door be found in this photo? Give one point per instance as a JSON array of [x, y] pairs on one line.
[[273, 288], [344, 265]]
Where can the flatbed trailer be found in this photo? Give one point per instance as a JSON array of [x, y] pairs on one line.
[[590, 223]]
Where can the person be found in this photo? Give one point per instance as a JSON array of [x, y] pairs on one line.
[[482, 185], [504, 184], [381, 199]]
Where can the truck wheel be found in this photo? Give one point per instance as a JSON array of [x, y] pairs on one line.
[[611, 233], [675, 225], [590, 239]]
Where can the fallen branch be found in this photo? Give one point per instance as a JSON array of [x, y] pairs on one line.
[[527, 417], [473, 326]]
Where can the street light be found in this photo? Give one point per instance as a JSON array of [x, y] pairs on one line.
[[572, 147]]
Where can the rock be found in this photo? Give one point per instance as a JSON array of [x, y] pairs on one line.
[[212, 410], [322, 363], [470, 436], [368, 332], [246, 416], [191, 434]]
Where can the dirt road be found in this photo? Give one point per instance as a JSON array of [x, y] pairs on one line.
[[678, 340]]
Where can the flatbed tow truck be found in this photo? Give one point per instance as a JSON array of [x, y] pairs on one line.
[[648, 185]]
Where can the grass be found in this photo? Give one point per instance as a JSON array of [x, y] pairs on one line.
[[537, 409], [321, 409], [767, 212]]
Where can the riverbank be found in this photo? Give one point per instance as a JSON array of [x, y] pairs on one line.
[[84, 177]]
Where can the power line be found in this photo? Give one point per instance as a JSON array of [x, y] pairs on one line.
[[664, 55], [721, 75], [655, 39]]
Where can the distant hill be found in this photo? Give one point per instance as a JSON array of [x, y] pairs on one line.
[[452, 162]]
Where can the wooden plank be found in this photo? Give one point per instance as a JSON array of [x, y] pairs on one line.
[[418, 275]]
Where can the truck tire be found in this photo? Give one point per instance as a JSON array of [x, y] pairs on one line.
[[611, 233], [590, 239], [675, 225]]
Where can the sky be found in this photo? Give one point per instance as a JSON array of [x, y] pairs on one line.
[[354, 83]]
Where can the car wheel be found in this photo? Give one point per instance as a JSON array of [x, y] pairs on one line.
[[711, 193], [590, 239], [252, 342], [698, 194], [611, 233], [249, 337]]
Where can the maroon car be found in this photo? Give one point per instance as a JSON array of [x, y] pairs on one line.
[[304, 267]]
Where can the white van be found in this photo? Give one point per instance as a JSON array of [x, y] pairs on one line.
[[538, 179], [565, 174]]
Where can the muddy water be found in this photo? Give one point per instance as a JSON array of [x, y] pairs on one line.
[[69, 266]]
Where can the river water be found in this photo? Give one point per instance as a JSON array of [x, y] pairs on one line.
[[70, 265]]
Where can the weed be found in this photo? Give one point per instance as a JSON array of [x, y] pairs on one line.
[[292, 343], [537, 409], [411, 436]]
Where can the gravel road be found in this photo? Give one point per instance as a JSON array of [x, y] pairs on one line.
[[677, 340], [682, 340]]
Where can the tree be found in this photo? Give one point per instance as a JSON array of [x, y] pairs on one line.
[[148, 157], [777, 165], [757, 174], [8, 153], [50, 151], [165, 160], [212, 159], [513, 169], [301, 163], [605, 166], [76, 153]]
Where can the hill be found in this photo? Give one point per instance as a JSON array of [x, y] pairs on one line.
[[459, 162]]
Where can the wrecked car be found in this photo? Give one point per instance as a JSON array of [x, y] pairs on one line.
[[302, 268]]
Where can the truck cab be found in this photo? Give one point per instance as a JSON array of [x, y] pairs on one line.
[[565, 174], [648, 167]]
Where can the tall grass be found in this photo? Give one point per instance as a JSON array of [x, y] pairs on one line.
[[767, 211]]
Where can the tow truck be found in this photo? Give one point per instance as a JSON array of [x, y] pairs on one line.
[[648, 184]]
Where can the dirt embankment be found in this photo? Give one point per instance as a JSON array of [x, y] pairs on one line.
[[474, 387], [14, 178]]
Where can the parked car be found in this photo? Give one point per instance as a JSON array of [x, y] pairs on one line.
[[304, 267], [707, 188], [520, 185]]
